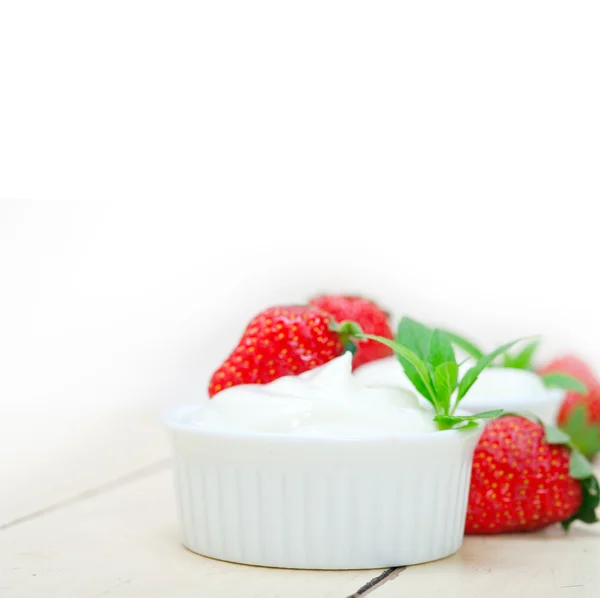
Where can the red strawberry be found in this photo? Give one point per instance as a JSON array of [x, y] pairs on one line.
[[279, 341], [521, 482], [579, 414], [368, 315]]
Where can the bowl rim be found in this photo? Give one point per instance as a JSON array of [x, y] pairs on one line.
[[174, 419]]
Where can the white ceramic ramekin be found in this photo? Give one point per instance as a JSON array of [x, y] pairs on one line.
[[544, 407], [310, 503]]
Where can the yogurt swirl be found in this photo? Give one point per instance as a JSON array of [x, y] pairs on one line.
[[326, 402]]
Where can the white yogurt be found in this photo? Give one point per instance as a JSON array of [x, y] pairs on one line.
[[498, 383], [513, 390], [383, 372], [324, 402]]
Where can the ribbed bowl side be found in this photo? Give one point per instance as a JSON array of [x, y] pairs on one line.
[[343, 519]]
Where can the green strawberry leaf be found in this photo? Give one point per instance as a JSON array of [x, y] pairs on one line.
[[446, 422], [415, 368], [564, 381], [440, 349], [532, 417], [466, 345], [589, 504], [472, 374], [579, 467], [429, 362], [555, 435], [584, 435], [447, 419], [484, 414], [522, 360], [468, 425], [415, 336], [445, 378]]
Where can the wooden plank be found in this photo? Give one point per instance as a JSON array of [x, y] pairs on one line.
[[123, 544], [541, 565], [50, 458]]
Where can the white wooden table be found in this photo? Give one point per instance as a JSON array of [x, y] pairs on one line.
[[99, 520]]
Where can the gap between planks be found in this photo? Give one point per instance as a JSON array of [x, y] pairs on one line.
[[123, 480], [378, 581]]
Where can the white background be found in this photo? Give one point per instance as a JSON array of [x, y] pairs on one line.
[[440, 157]]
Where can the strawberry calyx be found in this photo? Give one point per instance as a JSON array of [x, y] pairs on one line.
[[563, 381], [579, 468], [348, 331], [585, 435], [365, 312]]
